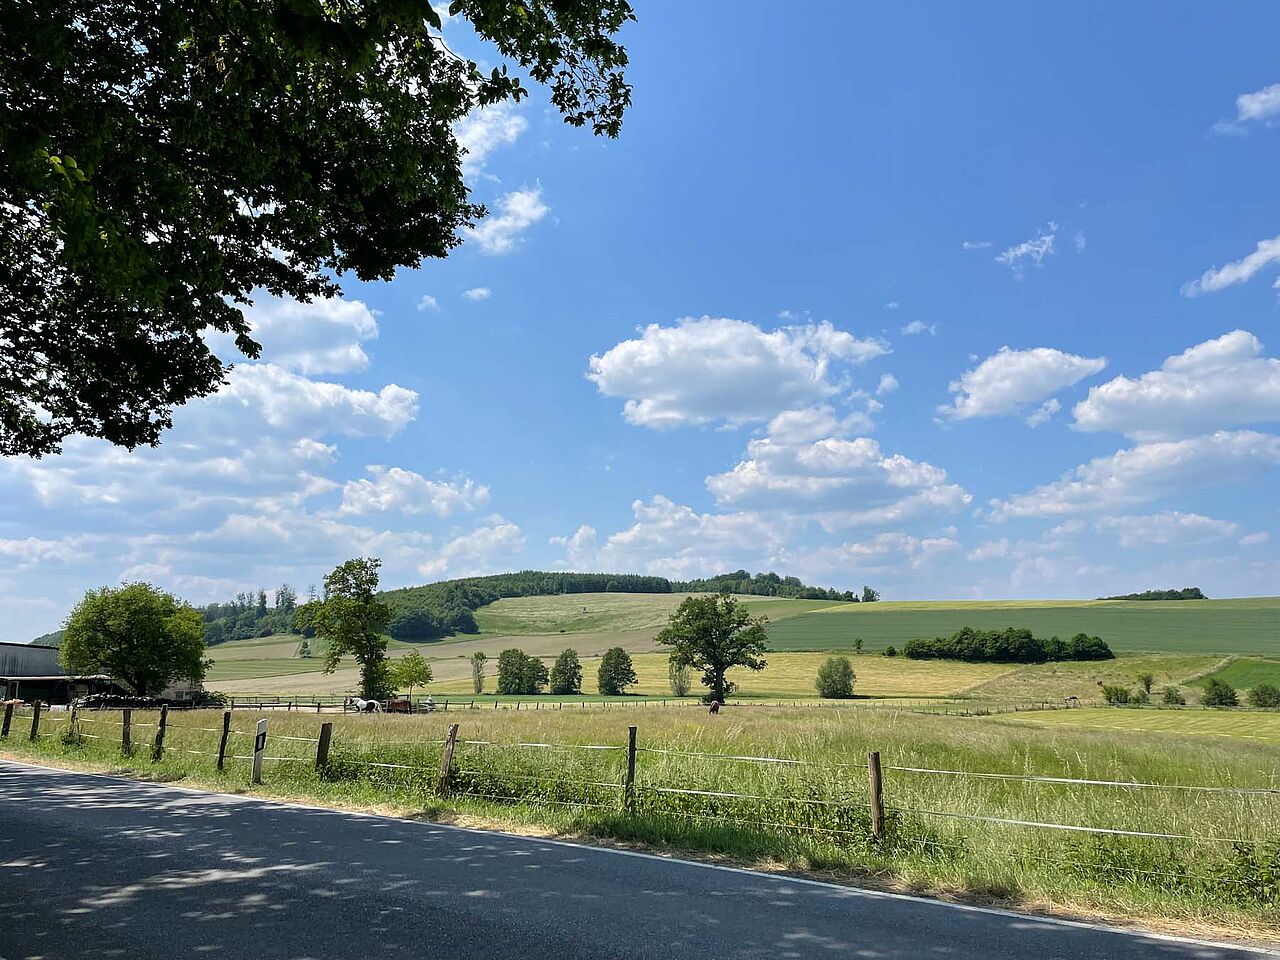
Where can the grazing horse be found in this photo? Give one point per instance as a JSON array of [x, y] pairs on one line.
[[362, 706]]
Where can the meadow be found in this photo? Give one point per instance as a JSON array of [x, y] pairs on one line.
[[703, 786], [1245, 672]]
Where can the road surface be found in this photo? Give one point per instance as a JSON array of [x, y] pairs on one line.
[[97, 867]]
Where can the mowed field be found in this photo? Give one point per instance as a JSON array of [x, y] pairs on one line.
[[1171, 626], [609, 612], [1250, 725]]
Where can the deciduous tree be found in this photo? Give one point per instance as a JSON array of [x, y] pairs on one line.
[[616, 672], [351, 620], [161, 160], [138, 635], [566, 673], [713, 634], [411, 670]]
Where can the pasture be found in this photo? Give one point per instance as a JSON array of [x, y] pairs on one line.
[[1179, 626], [529, 770]]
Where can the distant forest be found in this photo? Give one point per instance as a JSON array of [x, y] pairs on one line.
[[249, 615], [1186, 593]]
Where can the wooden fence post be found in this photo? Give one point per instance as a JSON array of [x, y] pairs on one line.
[[8, 719], [157, 749], [126, 731], [877, 794], [629, 784], [322, 748], [35, 721], [446, 760], [259, 747], [222, 744], [73, 731]]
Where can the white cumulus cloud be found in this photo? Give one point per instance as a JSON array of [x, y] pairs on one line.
[[1167, 529], [1224, 382], [477, 293], [517, 211], [1147, 472], [1260, 105], [713, 369], [1010, 382], [485, 129], [403, 491]]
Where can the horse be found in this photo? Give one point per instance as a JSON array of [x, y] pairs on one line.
[[362, 706]]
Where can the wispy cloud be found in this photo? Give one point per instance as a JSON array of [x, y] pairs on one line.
[[1029, 251]]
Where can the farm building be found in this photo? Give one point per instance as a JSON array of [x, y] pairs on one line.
[[29, 672]]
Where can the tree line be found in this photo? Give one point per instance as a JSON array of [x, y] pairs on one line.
[[1186, 593], [251, 615], [770, 585], [1011, 645]]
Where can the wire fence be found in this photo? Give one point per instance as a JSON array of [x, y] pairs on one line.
[[885, 807]]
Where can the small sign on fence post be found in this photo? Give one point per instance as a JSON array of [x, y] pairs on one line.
[[222, 744], [446, 760], [157, 750], [8, 719], [126, 731], [35, 721], [876, 783], [259, 747]]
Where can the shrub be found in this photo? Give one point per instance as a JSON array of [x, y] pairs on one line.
[[1145, 680], [1218, 693], [1140, 695], [1115, 694], [566, 673], [891, 651], [616, 672], [1265, 695], [1173, 696], [835, 679]]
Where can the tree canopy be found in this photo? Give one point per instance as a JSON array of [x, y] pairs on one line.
[[713, 634], [566, 673], [616, 672], [411, 670], [138, 635], [160, 161], [350, 619]]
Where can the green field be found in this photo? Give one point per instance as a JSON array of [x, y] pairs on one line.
[[1176, 626], [1247, 725], [1245, 673]]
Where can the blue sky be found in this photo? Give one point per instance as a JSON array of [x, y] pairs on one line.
[[966, 303]]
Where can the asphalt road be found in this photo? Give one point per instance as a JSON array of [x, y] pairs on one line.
[[95, 867]]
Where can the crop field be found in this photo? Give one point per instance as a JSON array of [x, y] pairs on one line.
[[1179, 626], [608, 612], [1241, 724], [1245, 673], [530, 769]]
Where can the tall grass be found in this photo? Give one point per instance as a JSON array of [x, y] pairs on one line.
[[534, 768]]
